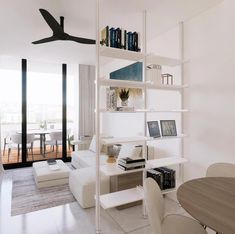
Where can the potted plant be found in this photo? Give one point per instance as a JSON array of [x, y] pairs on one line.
[[124, 95]]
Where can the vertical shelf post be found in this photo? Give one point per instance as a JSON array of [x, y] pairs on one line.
[[97, 120], [145, 100], [181, 53]]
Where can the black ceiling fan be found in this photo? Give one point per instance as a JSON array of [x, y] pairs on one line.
[[58, 31]]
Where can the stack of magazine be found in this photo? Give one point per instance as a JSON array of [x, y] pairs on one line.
[[130, 164], [165, 177]]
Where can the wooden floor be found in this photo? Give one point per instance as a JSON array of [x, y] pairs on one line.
[[13, 158]]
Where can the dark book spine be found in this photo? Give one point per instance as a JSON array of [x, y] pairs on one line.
[[107, 35], [111, 37], [116, 38], [129, 168], [129, 38], [124, 43], [130, 161], [134, 41], [119, 39]]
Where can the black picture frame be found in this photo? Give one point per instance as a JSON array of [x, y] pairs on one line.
[[168, 128], [153, 128]]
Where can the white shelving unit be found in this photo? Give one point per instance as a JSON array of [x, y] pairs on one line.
[[115, 199]]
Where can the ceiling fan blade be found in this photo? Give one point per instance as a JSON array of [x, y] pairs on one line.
[[81, 40], [45, 40], [51, 21]]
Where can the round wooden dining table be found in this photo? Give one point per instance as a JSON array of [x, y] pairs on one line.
[[210, 200]]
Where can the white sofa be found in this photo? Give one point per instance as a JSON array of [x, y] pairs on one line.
[[82, 180]]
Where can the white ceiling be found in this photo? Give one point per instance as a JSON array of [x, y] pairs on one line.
[[21, 23]]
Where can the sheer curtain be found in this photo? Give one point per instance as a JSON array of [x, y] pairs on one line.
[[86, 100]]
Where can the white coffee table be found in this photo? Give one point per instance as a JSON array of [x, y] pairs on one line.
[[46, 176]]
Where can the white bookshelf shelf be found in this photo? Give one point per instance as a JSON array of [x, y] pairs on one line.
[[114, 170], [122, 83], [164, 61], [166, 87], [118, 140], [127, 196], [162, 162], [146, 110], [168, 137], [120, 53], [119, 198]]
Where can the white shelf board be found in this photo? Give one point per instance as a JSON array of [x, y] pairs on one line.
[[120, 53], [118, 140], [162, 162], [127, 196], [119, 198], [114, 170], [170, 111], [166, 87], [168, 137], [164, 61], [122, 83], [145, 110]]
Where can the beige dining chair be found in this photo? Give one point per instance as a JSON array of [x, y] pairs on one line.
[[221, 170], [16, 144], [170, 224], [55, 141]]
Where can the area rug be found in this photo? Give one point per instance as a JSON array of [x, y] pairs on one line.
[[26, 197]]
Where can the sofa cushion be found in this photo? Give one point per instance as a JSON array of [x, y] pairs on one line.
[[86, 158]]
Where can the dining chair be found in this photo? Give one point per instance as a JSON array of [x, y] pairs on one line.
[[55, 141], [170, 224], [16, 143], [221, 170]]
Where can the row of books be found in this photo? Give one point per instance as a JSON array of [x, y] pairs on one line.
[[120, 38], [165, 177], [130, 164]]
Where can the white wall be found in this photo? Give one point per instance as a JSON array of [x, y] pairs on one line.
[[210, 46]]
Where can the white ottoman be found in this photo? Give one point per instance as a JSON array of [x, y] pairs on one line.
[[45, 177], [82, 185]]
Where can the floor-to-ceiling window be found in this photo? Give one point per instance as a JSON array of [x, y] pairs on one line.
[[37, 104], [10, 109], [44, 110]]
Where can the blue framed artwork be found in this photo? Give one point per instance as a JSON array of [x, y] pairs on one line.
[[131, 72]]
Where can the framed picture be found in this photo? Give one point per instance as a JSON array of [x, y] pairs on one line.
[[154, 130], [168, 128]]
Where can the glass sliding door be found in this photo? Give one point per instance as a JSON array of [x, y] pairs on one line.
[[44, 111], [72, 107], [10, 110]]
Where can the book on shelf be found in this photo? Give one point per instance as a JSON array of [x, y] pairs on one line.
[[130, 168], [128, 165], [111, 99], [128, 160], [112, 37], [51, 161], [157, 176], [165, 177], [105, 36], [120, 38]]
